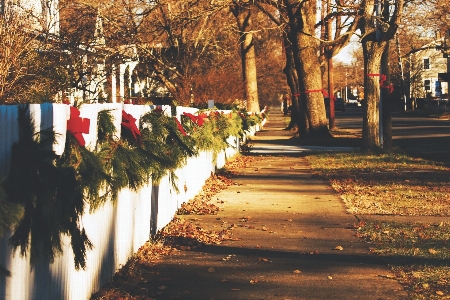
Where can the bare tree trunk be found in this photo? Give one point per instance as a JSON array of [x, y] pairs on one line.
[[305, 46], [376, 37], [329, 55], [244, 22], [386, 101], [372, 51], [298, 114]]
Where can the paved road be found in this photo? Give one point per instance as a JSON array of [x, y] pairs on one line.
[[422, 136]]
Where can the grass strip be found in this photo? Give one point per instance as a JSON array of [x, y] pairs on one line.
[[393, 184]]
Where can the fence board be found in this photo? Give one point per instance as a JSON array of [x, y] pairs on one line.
[[117, 229]]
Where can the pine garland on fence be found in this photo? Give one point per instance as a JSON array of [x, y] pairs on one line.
[[45, 194], [89, 170], [51, 196], [163, 141]]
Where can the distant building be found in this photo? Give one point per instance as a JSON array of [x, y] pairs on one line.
[[100, 72], [426, 64]]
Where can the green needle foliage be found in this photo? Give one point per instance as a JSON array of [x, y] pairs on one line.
[[105, 126], [89, 169], [45, 194], [163, 141], [50, 195]]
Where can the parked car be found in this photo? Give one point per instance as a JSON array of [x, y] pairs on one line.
[[353, 102], [339, 104]]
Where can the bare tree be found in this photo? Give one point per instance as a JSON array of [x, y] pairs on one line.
[[243, 14], [376, 29], [26, 60]]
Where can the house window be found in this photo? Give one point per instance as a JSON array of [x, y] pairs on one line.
[[437, 89], [426, 63], [427, 85]]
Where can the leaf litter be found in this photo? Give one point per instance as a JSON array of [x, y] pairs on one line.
[[178, 235], [395, 184]]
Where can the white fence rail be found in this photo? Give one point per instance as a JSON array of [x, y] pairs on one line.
[[117, 230]]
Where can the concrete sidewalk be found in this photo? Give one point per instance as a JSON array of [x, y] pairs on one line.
[[292, 238]]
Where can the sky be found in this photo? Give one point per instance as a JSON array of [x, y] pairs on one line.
[[345, 55]]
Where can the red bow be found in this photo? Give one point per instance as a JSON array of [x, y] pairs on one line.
[[77, 126], [199, 120], [180, 127], [382, 80], [382, 85], [129, 122]]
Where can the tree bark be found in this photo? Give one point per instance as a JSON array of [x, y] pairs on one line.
[[386, 101], [372, 51], [298, 114], [376, 31], [244, 22], [329, 56], [301, 21]]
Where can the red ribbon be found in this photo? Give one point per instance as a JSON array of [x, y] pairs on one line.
[[199, 120], [77, 126], [382, 85], [129, 122], [180, 127], [382, 80]]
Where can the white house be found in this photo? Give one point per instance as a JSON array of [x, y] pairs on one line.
[[427, 63]]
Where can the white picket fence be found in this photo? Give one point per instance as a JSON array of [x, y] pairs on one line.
[[116, 230]]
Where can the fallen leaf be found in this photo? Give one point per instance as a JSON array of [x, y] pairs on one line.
[[260, 259], [330, 278], [440, 293], [387, 276], [253, 281], [425, 285], [297, 271], [340, 248], [432, 251]]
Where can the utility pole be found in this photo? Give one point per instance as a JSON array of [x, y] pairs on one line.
[[329, 55], [400, 63], [445, 77]]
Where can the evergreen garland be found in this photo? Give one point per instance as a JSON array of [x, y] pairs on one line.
[[163, 141], [249, 120], [127, 165], [45, 194], [50, 195], [90, 171], [212, 135], [105, 126]]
